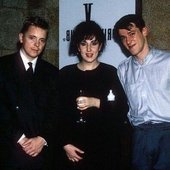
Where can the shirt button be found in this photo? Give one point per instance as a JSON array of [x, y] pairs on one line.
[[17, 107], [143, 95]]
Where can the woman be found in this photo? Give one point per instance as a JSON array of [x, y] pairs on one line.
[[92, 118]]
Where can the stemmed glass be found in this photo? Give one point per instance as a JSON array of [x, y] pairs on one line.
[[80, 101]]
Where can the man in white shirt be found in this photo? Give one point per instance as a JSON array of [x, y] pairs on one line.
[[145, 76]]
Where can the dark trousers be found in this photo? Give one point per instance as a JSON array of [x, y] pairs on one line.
[[151, 147], [19, 160]]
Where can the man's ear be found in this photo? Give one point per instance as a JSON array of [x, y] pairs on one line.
[[145, 31], [21, 37]]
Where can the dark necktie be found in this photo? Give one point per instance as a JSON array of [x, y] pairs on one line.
[[30, 71]]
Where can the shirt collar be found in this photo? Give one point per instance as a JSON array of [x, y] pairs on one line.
[[25, 61], [147, 59]]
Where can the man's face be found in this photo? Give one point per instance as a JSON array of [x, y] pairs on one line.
[[33, 41], [135, 40]]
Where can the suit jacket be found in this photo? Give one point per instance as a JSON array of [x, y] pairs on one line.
[[26, 107]]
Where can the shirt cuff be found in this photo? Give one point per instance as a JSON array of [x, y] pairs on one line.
[[45, 142], [20, 139]]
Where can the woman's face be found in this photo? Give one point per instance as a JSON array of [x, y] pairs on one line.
[[89, 50]]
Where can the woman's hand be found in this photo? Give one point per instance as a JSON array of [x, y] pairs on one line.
[[73, 153], [87, 102]]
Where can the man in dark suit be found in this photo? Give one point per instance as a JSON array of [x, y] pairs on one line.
[[28, 102]]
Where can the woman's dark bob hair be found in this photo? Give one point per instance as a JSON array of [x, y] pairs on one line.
[[83, 31]]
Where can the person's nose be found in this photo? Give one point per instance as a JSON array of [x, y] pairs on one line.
[[88, 47], [37, 43], [128, 40]]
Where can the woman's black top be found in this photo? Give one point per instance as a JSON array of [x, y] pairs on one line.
[[99, 134]]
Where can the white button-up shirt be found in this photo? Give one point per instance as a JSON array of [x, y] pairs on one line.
[[147, 87]]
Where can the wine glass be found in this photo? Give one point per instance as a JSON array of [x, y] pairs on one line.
[[80, 101]]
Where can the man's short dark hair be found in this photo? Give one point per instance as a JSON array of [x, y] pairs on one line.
[[125, 23], [34, 21]]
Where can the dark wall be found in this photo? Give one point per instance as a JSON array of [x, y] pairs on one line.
[[13, 12], [157, 16]]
